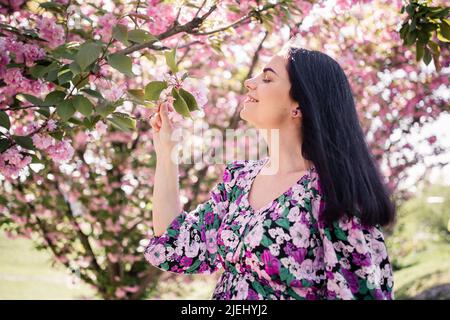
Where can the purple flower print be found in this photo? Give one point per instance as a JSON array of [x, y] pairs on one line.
[[226, 176], [361, 259], [352, 280], [272, 265], [252, 295], [299, 255], [209, 218], [175, 225], [185, 261]]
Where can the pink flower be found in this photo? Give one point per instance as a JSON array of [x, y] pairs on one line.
[[101, 127], [50, 31], [432, 139], [106, 24], [12, 162], [13, 77], [51, 125], [14, 5], [41, 141], [120, 293], [32, 53], [162, 16], [62, 151], [113, 257]]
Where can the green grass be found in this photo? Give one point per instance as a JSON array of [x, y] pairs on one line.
[[430, 269], [26, 273]]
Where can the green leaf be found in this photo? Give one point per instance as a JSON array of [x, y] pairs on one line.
[[4, 120], [150, 57], [179, 104], [283, 223], [4, 144], [54, 97], [194, 266], [53, 6], [411, 38], [105, 108], [140, 36], [121, 63], [37, 71], [266, 242], [87, 54], [190, 99], [258, 288], [445, 30], [32, 99], [137, 95], [434, 47], [171, 61], [122, 122], [427, 56], [24, 141], [83, 105], [93, 93], [75, 68], [65, 109], [153, 90], [120, 32], [44, 110], [58, 135]]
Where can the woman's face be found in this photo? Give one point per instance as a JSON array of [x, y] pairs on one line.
[[271, 90]]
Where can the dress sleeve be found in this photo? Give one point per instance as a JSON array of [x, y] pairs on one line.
[[189, 244], [356, 260]]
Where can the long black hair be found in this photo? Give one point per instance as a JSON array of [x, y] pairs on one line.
[[333, 140]]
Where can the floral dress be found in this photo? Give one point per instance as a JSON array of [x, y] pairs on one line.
[[280, 251]]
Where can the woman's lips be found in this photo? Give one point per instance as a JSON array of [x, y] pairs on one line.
[[249, 100]]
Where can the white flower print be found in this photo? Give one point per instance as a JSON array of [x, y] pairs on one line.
[[274, 249], [300, 234], [156, 254], [229, 238], [241, 289], [254, 237]]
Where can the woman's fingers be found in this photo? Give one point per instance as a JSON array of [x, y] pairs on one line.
[[164, 116], [155, 121]]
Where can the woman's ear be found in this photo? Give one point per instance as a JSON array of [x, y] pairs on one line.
[[295, 110]]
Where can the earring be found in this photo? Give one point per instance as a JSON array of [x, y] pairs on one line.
[[294, 113]]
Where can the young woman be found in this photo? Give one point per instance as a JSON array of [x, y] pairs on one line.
[[316, 232]]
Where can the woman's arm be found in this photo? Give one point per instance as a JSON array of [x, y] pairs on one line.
[[166, 200]]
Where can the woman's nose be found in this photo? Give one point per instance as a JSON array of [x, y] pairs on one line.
[[249, 84]]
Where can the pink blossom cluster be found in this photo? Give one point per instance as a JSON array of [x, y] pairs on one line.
[[22, 52], [12, 161], [111, 91], [59, 151], [162, 16], [105, 24], [50, 31], [17, 83], [12, 5]]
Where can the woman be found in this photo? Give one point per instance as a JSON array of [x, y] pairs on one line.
[[316, 232]]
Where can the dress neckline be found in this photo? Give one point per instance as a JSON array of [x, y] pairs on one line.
[[255, 170]]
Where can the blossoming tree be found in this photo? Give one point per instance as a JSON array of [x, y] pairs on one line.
[[78, 81]]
